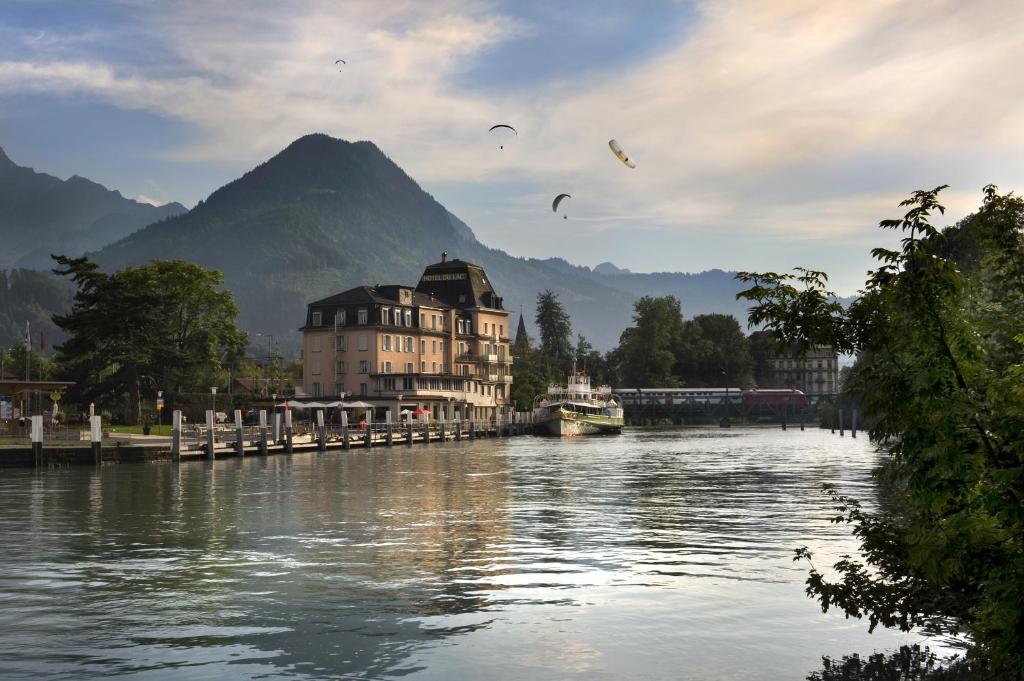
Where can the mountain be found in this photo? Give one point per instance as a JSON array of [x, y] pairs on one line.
[[325, 215], [41, 214], [609, 268]]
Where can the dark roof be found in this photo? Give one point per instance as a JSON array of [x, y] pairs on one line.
[[473, 284], [371, 294]]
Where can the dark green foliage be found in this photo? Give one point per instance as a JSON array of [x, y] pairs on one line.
[[763, 346], [940, 332], [13, 360], [159, 327], [648, 350], [714, 352], [909, 663], [33, 297], [555, 348]]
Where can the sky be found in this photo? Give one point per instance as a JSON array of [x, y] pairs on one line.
[[767, 135]]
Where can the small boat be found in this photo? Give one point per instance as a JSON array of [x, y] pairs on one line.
[[576, 409]]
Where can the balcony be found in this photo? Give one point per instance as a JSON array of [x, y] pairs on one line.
[[467, 357]]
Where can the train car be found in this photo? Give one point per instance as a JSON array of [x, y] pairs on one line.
[[774, 397], [635, 397]]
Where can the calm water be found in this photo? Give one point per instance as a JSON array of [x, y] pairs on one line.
[[659, 554]]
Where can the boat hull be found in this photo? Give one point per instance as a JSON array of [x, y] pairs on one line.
[[570, 424]]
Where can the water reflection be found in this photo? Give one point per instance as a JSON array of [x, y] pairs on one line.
[[525, 557]]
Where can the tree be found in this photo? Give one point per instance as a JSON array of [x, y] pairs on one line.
[[763, 346], [713, 351], [555, 335], [161, 326], [939, 329], [648, 349]]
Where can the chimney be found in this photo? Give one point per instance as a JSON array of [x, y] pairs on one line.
[[444, 256]]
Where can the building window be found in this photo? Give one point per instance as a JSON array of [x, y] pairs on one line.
[[408, 317], [433, 346], [433, 321], [486, 327], [423, 320], [460, 326], [361, 342], [423, 346], [384, 314], [398, 317], [469, 326], [340, 368], [423, 367], [339, 318], [362, 315], [318, 318], [501, 329], [340, 343], [408, 343], [363, 388], [364, 366], [387, 367], [385, 342], [316, 367], [315, 343], [408, 367], [433, 368], [316, 390]]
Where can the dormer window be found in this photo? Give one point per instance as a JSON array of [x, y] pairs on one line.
[[385, 312], [339, 318], [317, 318]]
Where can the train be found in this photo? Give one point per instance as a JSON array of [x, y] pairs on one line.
[[669, 397]]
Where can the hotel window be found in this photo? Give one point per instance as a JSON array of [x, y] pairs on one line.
[[423, 367], [385, 342], [364, 366], [501, 329], [486, 326], [408, 343], [398, 317], [408, 317], [469, 326], [315, 343], [362, 315], [316, 390], [364, 388], [433, 346], [318, 318], [316, 367], [408, 367], [423, 320], [340, 343], [339, 318], [387, 367], [340, 368], [433, 368], [408, 383], [384, 314], [433, 321], [460, 326], [423, 346]]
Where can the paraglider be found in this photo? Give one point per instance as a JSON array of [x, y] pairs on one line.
[[503, 131], [620, 154], [557, 201], [339, 61]]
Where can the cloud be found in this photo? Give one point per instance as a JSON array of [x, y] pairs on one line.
[[795, 117], [142, 198]]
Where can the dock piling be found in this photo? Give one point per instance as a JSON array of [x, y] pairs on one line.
[[175, 435], [408, 431], [96, 437], [853, 422], [389, 432], [345, 444], [368, 437], [37, 440], [239, 433], [321, 430], [288, 432], [426, 428], [842, 430], [263, 432], [210, 419]]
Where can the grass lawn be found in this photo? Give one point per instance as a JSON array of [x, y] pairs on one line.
[[137, 430]]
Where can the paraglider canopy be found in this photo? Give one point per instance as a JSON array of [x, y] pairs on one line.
[[557, 201], [503, 131], [339, 61], [620, 154]]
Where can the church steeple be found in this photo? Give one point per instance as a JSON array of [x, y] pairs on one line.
[[522, 338]]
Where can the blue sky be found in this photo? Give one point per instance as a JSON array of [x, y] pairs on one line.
[[767, 135]]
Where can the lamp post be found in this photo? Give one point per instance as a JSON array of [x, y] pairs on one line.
[[213, 401], [270, 353]]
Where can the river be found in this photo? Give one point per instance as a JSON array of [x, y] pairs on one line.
[[659, 554]]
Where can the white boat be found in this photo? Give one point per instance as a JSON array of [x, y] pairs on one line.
[[576, 409]]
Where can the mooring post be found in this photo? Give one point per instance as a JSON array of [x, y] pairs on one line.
[[368, 436], [832, 421], [275, 435], [853, 422], [96, 438], [785, 412], [37, 440], [408, 430], [426, 428], [321, 430], [441, 425], [239, 434], [458, 428], [175, 435], [472, 426], [389, 432], [288, 430], [209, 433], [263, 432], [802, 414], [842, 430], [345, 444]]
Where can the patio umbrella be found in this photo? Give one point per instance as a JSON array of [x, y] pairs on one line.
[[421, 412]]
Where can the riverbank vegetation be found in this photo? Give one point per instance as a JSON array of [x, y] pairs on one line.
[[939, 335]]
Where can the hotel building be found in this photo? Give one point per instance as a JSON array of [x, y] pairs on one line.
[[441, 345], [816, 373]]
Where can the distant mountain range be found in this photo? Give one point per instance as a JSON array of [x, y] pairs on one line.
[[324, 215], [41, 214]]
